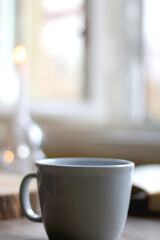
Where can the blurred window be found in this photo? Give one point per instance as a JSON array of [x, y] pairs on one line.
[[58, 48], [141, 68], [92, 60], [152, 58]]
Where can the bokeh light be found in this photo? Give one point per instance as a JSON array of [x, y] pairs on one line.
[[8, 156], [19, 54], [23, 151]]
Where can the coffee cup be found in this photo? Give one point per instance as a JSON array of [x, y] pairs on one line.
[[80, 198]]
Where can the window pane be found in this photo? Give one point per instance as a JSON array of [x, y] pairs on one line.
[[58, 50], [9, 85], [132, 58], [141, 41], [152, 57]]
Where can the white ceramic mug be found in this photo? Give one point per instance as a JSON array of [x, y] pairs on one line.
[[80, 198]]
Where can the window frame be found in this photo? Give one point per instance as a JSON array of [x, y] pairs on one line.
[[94, 105]]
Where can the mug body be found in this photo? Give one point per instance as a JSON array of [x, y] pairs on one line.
[[84, 198]]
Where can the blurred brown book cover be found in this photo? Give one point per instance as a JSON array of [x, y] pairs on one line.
[[145, 196]]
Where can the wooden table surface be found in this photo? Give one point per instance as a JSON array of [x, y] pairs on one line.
[[136, 228]]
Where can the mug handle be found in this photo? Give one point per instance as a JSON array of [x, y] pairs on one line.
[[25, 199]]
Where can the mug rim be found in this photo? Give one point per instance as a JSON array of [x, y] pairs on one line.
[[105, 162]]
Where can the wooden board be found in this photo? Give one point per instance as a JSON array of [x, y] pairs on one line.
[[9, 196]]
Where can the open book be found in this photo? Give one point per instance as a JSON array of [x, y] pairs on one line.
[[146, 189]]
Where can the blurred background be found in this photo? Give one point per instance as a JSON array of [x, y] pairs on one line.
[[79, 78]]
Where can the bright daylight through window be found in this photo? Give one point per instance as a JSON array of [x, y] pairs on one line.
[[59, 51], [83, 58]]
